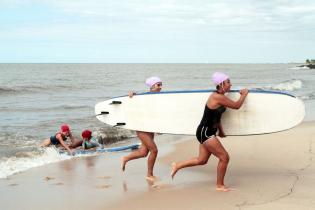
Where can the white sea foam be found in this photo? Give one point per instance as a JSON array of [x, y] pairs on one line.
[[288, 85], [299, 68], [15, 165]]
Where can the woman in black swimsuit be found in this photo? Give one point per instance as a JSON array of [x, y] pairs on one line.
[[210, 126]]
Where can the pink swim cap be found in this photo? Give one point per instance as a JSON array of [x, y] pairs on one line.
[[152, 81], [219, 77]]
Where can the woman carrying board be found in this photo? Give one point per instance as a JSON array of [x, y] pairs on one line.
[[148, 146], [210, 126]]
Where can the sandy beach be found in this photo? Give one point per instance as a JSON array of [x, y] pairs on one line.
[[273, 171]]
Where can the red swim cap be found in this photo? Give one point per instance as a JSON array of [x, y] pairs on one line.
[[65, 128], [87, 134]]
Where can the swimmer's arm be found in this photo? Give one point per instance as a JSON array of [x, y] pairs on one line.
[[225, 101], [72, 139], [63, 143]]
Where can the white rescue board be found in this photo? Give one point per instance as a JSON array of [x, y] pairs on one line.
[[180, 112]]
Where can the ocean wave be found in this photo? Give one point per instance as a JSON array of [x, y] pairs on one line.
[[307, 97], [24, 161], [32, 88], [14, 139], [72, 107], [288, 85], [7, 90], [109, 135], [46, 109]]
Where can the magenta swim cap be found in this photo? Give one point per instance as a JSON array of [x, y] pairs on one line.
[[152, 81], [219, 77]]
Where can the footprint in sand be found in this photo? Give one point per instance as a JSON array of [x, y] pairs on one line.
[[103, 186], [104, 177], [59, 183], [47, 178], [161, 186]]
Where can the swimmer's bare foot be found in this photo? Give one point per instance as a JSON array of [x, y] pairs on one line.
[[174, 170], [123, 163], [152, 178], [223, 188]]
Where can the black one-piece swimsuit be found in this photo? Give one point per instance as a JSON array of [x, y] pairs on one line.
[[209, 123]]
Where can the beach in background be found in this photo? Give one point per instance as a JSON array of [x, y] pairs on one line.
[[268, 171]]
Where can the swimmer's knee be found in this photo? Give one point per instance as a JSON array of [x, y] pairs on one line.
[[144, 153], [202, 161], [225, 158], [154, 150]]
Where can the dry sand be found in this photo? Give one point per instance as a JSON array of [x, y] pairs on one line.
[[273, 171]]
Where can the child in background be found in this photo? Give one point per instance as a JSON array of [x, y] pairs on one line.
[[88, 141], [60, 137]]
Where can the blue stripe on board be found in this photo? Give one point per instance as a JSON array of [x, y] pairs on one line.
[[209, 91], [117, 149], [102, 150]]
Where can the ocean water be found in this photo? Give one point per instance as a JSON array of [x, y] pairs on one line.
[[35, 99]]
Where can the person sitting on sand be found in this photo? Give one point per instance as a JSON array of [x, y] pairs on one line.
[[209, 126], [148, 146], [88, 141], [60, 137]]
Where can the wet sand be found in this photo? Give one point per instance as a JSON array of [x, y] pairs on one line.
[[273, 171]]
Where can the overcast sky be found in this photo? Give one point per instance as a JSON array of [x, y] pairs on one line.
[[157, 31]]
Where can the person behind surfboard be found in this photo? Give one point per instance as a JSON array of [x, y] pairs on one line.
[[60, 137], [210, 126], [148, 146], [88, 141]]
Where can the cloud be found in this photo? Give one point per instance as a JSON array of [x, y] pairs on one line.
[[274, 15], [163, 23], [157, 19], [247, 15]]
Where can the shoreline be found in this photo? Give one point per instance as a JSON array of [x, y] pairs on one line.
[[272, 171], [98, 179]]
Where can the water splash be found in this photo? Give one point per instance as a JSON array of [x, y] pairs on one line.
[[22, 162]]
